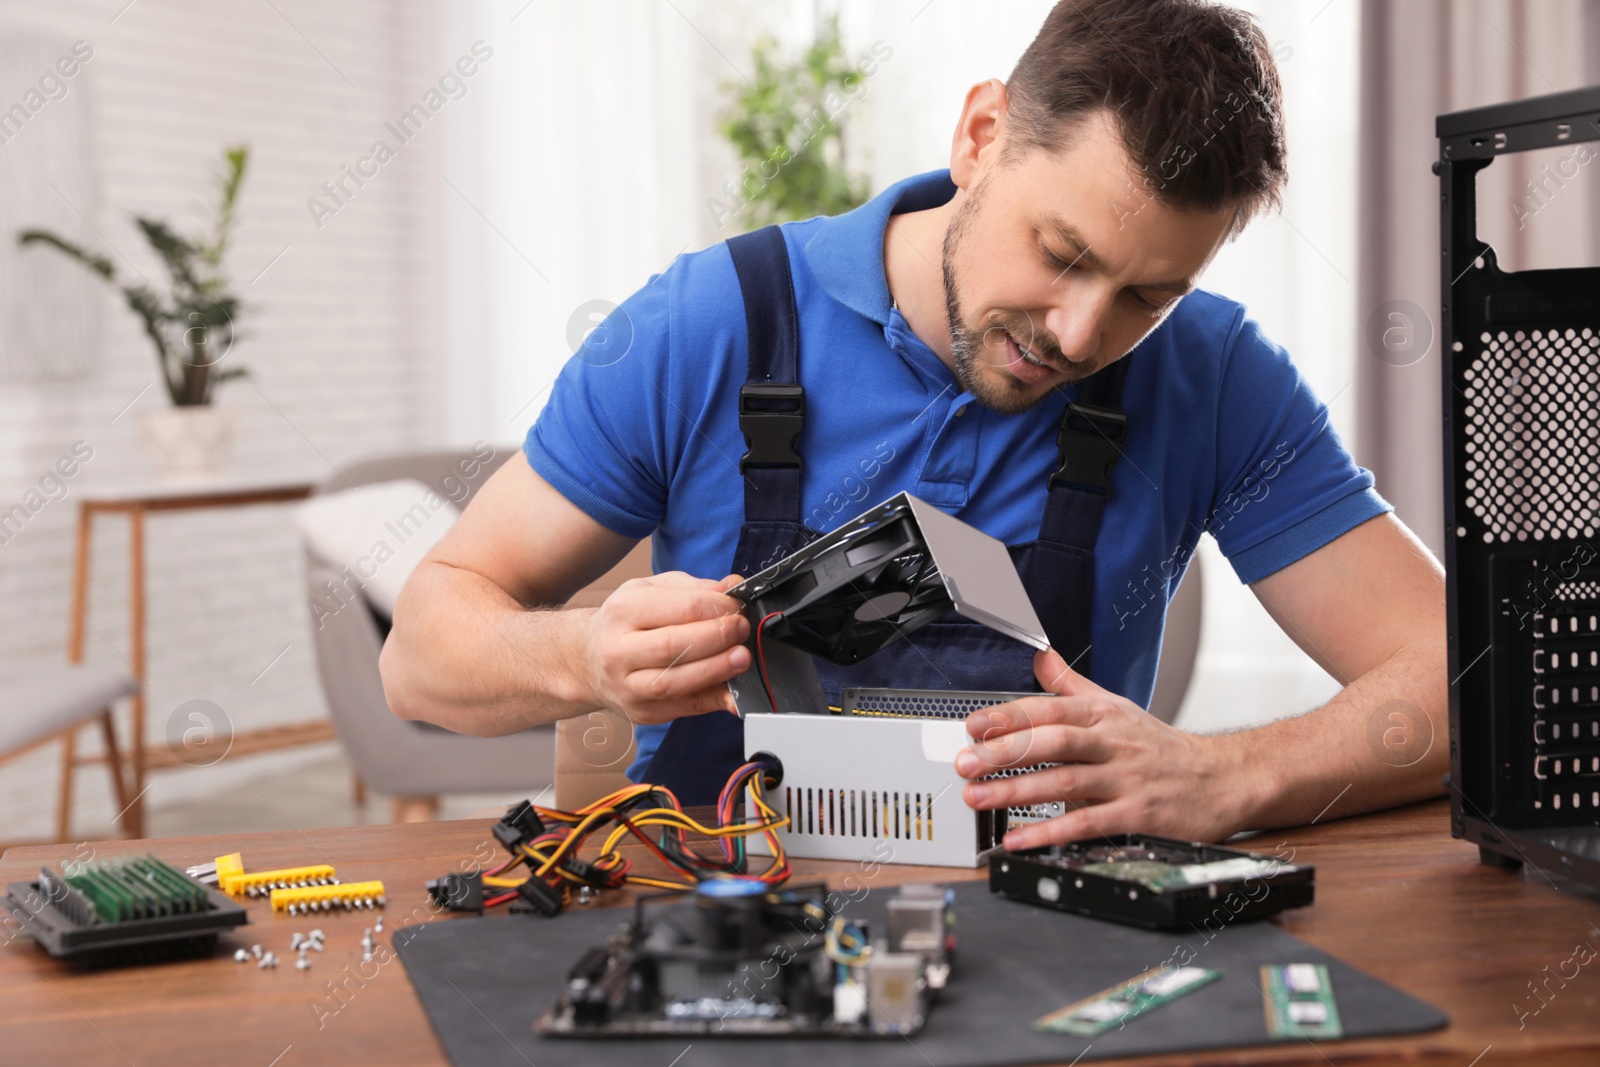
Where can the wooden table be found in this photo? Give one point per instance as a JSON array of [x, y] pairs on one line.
[[136, 504], [1396, 897]]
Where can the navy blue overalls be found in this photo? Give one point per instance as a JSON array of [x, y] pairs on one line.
[[699, 753]]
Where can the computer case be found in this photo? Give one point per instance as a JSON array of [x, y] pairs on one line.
[[1521, 384]]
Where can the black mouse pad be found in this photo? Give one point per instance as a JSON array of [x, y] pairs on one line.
[[483, 982]]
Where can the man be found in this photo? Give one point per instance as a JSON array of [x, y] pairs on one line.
[[944, 332]]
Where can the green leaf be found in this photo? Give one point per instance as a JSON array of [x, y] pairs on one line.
[[176, 253], [779, 124], [101, 265]]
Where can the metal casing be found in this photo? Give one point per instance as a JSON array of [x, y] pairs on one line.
[[871, 790], [1521, 374]]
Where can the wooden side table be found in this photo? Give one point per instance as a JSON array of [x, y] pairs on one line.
[[136, 504]]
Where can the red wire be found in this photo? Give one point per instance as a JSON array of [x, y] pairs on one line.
[[725, 802], [651, 845], [761, 657], [616, 868]]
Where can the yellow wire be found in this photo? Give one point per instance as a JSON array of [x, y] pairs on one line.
[[636, 880], [586, 818], [674, 817], [669, 817], [502, 883]]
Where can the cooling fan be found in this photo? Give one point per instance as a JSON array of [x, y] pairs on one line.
[[857, 594], [885, 574]]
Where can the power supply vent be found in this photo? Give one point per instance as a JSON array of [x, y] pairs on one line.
[[870, 813], [920, 703], [1033, 812], [1533, 434], [945, 704]]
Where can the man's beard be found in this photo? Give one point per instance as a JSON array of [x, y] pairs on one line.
[[1009, 395]]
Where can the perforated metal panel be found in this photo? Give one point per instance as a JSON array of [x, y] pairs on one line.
[[1532, 433], [1521, 391], [947, 704], [921, 703], [1521, 400], [1524, 559], [1565, 751]]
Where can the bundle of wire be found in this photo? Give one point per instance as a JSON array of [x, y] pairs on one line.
[[652, 815]]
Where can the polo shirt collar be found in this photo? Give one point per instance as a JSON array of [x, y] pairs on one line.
[[846, 253]]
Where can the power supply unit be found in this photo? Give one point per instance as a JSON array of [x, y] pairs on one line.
[[874, 779]]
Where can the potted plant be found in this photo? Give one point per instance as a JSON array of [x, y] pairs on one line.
[[788, 128], [192, 328]]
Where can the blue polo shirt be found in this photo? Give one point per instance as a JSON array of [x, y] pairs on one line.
[[641, 432]]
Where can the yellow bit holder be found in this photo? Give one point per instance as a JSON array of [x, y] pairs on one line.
[[232, 879], [348, 896], [229, 867]]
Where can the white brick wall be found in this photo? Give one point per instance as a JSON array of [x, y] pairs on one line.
[[339, 334]]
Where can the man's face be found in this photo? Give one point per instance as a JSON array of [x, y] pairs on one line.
[[1057, 264]]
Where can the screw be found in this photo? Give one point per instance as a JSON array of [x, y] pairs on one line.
[[378, 926], [296, 940], [302, 964], [585, 894], [316, 935], [255, 950], [366, 957], [241, 955], [268, 960]]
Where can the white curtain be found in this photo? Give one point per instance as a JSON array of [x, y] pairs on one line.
[[1420, 59]]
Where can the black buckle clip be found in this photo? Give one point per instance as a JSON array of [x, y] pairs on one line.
[[771, 417], [1089, 444]]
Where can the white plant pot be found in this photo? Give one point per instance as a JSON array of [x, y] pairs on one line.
[[188, 445]]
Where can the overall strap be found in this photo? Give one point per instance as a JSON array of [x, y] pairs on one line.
[[1093, 429], [772, 404], [1059, 571], [699, 752]]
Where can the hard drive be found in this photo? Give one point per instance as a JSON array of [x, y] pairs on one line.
[[1153, 882]]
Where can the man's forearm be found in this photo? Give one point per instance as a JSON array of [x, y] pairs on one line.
[[1381, 741], [467, 656]]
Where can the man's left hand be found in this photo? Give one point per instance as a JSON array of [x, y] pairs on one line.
[[1122, 770]]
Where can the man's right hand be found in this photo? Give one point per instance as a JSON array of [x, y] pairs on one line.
[[664, 647]]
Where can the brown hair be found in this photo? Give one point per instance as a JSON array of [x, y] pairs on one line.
[[1192, 86]]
